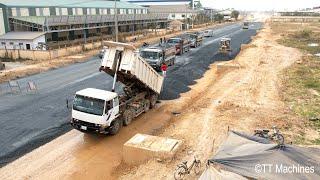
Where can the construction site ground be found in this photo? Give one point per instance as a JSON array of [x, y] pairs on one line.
[[242, 95]]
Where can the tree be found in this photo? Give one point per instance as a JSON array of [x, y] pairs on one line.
[[197, 5], [218, 17], [235, 14]]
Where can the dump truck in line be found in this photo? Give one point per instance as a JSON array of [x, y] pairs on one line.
[[158, 54], [182, 43], [101, 111], [196, 38]]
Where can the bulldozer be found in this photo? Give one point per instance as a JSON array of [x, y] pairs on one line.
[[225, 45]]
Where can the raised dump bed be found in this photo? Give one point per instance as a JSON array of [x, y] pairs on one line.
[[143, 147], [132, 67]]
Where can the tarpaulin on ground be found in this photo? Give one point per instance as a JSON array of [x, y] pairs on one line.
[[256, 157]]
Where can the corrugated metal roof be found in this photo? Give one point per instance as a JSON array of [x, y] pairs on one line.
[[32, 19], [69, 3], [181, 8], [86, 19], [21, 35]]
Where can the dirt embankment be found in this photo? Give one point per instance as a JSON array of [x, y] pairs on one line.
[[242, 97]]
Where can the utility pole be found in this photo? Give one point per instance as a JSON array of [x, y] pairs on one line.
[[116, 19]]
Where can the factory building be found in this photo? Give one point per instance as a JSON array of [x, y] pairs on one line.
[[66, 21]]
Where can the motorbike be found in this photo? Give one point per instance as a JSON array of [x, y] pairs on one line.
[[275, 136]]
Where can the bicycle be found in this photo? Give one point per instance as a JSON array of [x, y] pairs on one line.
[[183, 169], [275, 136]]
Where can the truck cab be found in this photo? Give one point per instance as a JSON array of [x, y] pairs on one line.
[[159, 54], [245, 25], [95, 110], [182, 44], [153, 56]]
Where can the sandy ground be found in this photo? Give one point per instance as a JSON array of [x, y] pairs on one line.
[[242, 99]]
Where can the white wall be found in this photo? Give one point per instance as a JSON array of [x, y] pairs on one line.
[[21, 44], [179, 16], [2, 25]]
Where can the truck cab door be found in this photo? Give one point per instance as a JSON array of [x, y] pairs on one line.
[[112, 109]]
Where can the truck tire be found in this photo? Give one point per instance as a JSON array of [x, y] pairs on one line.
[[115, 126], [128, 115], [153, 101], [147, 106]]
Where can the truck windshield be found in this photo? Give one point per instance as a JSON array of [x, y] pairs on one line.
[[173, 41], [149, 55], [88, 105]]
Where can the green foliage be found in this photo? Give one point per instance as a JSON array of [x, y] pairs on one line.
[[235, 14], [218, 17], [304, 34], [197, 5]]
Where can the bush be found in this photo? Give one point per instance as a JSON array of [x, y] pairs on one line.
[[304, 34]]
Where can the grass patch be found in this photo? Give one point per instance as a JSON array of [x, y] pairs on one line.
[[302, 80]]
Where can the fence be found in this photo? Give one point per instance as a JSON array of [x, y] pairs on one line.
[[295, 19], [48, 54]]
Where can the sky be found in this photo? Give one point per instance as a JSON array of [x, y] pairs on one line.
[[261, 5], [255, 5]]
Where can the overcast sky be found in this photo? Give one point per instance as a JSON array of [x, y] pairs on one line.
[[261, 4]]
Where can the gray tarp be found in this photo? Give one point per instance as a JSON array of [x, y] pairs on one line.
[[256, 157]]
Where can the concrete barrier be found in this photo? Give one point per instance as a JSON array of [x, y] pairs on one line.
[[142, 147]]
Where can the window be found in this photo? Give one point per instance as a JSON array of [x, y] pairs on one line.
[[183, 15], [3, 43], [109, 105], [173, 15], [20, 44], [11, 43], [88, 105]]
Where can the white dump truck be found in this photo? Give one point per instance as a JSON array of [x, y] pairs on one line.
[[101, 111]]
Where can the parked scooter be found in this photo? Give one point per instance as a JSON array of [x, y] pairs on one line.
[[275, 136]]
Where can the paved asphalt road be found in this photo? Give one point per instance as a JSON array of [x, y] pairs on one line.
[[29, 120]]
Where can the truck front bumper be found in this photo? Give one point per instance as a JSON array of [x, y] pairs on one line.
[[87, 127]]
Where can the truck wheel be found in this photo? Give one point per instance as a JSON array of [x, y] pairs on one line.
[[153, 101], [128, 115], [147, 106], [115, 127]]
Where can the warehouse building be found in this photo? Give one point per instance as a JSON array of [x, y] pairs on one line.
[[23, 40], [73, 20], [175, 12]]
